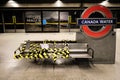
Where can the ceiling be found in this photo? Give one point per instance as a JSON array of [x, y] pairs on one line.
[[65, 1]]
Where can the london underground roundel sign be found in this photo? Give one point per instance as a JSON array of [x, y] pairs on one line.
[[104, 11]]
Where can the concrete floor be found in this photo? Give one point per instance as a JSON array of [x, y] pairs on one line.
[[11, 69]]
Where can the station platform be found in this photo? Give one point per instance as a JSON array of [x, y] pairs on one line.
[[12, 69]]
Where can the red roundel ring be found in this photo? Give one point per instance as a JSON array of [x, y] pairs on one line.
[[98, 8]]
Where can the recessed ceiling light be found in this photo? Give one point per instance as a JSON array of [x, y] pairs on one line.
[[12, 3], [105, 3], [58, 3]]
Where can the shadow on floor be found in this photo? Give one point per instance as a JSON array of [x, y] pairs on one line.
[[81, 63]]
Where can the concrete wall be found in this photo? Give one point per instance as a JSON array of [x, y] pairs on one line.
[[104, 48]]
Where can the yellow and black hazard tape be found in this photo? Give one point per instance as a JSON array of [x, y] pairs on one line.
[[36, 52], [32, 55], [54, 56], [16, 56]]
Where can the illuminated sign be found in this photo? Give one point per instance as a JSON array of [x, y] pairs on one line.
[[96, 21], [107, 28]]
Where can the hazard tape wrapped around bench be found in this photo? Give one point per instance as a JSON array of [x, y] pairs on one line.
[[53, 50]]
